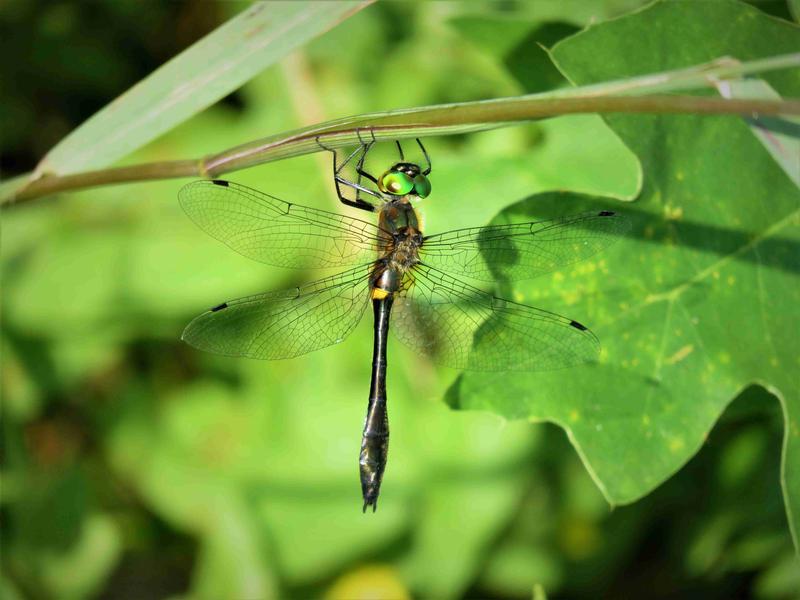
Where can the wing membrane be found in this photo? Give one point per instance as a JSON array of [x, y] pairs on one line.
[[286, 323], [522, 250], [462, 327], [275, 232]]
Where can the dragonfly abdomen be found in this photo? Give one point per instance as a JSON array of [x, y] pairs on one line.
[[375, 439], [386, 280]]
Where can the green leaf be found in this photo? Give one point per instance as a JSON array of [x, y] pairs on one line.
[[467, 482], [530, 62], [576, 12], [8, 187], [209, 70], [495, 36], [81, 571], [701, 300], [521, 44], [233, 562]]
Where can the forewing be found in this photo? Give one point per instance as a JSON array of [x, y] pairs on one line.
[[522, 250], [286, 323], [275, 232], [462, 327]]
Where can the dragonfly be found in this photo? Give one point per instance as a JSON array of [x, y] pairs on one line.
[[414, 282]]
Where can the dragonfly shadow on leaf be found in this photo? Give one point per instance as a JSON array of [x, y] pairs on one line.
[[675, 229]]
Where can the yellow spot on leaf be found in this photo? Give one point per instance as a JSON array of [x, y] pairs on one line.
[[574, 415], [676, 444], [673, 213], [680, 354]]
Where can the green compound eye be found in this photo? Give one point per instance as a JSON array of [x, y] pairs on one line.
[[422, 186], [397, 183]]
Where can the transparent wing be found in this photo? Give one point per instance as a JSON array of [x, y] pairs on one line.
[[286, 323], [275, 232], [463, 327], [522, 250]]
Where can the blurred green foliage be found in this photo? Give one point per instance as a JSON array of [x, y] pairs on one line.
[[133, 466]]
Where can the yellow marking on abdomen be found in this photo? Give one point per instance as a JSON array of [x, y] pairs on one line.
[[379, 294]]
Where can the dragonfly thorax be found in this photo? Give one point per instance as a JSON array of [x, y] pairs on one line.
[[399, 256], [404, 251], [399, 249], [397, 216]]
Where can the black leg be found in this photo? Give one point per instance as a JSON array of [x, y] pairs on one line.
[[366, 146], [338, 169], [360, 166], [338, 180], [427, 158], [371, 134], [357, 186], [356, 202]]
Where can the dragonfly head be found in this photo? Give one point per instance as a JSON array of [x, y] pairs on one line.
[[405, 179]]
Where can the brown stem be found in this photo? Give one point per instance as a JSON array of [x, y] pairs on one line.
[[437, 120], [49, 184]]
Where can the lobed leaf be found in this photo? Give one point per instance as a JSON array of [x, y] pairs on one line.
[[701, 300]]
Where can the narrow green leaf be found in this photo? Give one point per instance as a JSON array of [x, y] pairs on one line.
[[9, 187], [207, 71]]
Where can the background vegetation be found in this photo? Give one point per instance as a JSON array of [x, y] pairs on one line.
[[134, 466]]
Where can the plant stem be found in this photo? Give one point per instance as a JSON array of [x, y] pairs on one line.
[[425, 121]]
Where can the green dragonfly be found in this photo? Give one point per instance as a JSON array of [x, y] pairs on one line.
[[411, 280]]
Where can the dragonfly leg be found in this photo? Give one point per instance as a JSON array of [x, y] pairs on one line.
[[360, 166], [340, 181], [371, 133], [365, 147], [427, 158]]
